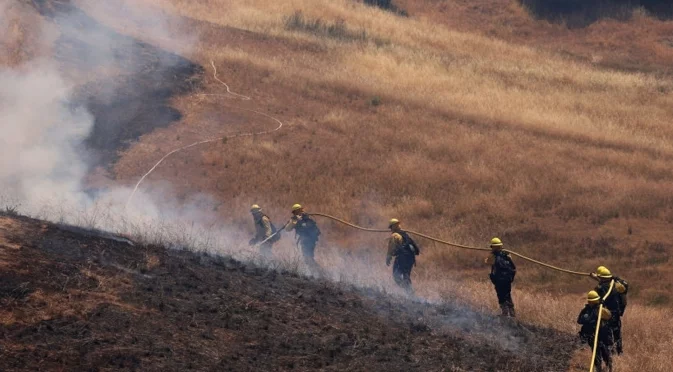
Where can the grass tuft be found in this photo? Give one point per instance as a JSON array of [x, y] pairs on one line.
[[335, 30]]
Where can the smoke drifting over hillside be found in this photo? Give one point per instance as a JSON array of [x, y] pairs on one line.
[[42, 135], [96, 91]]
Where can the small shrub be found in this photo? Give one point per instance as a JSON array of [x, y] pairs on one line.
[[659, 299], [337, 30], [376, 101], [387, 5], [10, 210]]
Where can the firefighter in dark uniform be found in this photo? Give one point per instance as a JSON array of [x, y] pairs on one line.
[[502, 275], [405, 250], [615, 302], [588, 318], [307, 233]]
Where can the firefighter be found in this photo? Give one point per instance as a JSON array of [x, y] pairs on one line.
[[405, 250], [502, 275], [588, 318], [265, 232], [615, 302], [307, 232]]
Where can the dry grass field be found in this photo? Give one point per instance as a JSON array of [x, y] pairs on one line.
[[464, 121]]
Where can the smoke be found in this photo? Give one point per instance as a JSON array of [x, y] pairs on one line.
[[42, 135], [89, 89]]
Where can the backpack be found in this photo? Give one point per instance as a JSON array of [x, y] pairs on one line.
[[307, 228], [410, 246], [275, 234], [622, 288]]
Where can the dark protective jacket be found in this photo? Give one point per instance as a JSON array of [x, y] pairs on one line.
[[305, 227], [614, 302], [403, 246], [588, 318], [263, 228], [503, 268]]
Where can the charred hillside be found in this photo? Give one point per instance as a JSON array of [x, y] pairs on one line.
[[584, 12], [71, 300], [128, 82]]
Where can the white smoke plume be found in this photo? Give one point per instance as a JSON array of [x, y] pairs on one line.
[[41, 136], [44, 125]]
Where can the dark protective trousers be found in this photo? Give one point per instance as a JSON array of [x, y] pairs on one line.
[[266, 249], [503, 288], [603, 354], [402, 271], [308, 250], [615, 326]]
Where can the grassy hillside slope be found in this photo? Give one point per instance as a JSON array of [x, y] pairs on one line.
[[466, 123], [458, 134]]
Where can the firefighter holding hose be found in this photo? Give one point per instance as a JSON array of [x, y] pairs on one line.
[[265, 231], [615, 302], [588, 318], [307, 232], [502, 276], [405, 250]]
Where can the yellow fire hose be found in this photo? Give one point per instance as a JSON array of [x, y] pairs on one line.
[[452, 244], [598, 326], [600, 309]]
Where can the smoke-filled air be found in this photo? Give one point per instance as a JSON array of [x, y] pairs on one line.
[[50, 132], [335, 185]]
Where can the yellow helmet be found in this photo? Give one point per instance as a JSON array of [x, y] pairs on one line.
[[496, 242], [296, 207], [593, 297], [255, 208], [603, 272], [393, 222]]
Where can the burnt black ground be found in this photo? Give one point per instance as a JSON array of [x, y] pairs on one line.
[[74, 302], [582, 13], [130, 82]]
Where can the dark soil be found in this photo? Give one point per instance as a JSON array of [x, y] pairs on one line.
[[581, 13], [77, 302], [129, 82]]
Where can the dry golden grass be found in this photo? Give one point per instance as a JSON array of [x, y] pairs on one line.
[[647, 334], [460, 135], [473, 137], [19, 40]]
